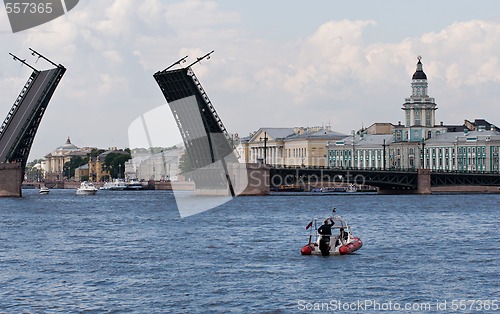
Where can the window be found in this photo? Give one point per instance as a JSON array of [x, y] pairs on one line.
[[428, 114], [398, 136], [418, 116]]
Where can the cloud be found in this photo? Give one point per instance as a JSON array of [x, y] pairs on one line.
[[112, 48]]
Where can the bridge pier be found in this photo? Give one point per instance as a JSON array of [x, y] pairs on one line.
[[424, 181], [250, 179], [247, 180], [10, 179]]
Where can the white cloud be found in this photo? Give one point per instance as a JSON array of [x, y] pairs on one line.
[[112, 48]]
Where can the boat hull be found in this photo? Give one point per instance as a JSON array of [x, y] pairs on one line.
[[349, 248], [86, 192], [86, 188]]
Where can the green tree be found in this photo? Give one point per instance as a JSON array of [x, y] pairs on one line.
[[115, 163], [185, 164], [96, 152], [72, 164]]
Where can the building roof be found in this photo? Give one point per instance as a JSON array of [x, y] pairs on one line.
[[451, 137], [368, 140], [323, 134], [83, 167], [375, 139], [419, 73], [79, 153], [68, 146], [64, 149], [277, 133], [481, 124], [455, 128]]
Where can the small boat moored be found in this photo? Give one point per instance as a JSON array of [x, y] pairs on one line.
[[340, 242], [44, 190], [134, 184], [86, 188], [115, 185]]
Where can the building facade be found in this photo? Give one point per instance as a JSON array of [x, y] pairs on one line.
[[53, 164], [161, 166], [94, 170], [420, 142], [299, 146]]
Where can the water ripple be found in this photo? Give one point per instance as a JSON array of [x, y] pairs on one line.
[[130, 252]]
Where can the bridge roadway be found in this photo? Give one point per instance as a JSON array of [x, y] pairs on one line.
[[397, 179], [20, 120]]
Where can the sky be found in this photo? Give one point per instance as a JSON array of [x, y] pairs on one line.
[[276, 63]]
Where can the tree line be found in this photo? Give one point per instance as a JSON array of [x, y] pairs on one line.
[[114, 162]]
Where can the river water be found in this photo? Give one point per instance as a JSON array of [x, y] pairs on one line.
[[130, 252]]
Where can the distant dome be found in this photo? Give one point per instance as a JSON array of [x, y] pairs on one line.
[[66, 148], [419, 73]]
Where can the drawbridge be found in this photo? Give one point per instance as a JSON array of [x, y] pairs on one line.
[[19, 128], [209, 147]]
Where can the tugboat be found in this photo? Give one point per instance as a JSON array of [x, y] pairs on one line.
[[340, 242]]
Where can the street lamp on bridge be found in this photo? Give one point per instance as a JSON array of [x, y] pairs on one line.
[[265, 138]]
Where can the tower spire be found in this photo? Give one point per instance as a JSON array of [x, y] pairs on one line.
[[419, 73], [419, 107]]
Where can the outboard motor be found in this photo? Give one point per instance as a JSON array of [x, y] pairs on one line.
[[324, 245]]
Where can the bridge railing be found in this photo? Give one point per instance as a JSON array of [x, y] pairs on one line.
[[394, 169], [19, 99]]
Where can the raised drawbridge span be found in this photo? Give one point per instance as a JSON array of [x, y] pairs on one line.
[[209, 148], [19, 128]]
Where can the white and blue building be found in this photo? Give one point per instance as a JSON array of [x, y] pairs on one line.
[[420, 142]]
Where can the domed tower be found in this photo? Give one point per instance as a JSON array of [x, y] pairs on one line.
[[419, 108]]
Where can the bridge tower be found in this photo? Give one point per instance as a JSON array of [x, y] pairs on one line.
[[18, 130]]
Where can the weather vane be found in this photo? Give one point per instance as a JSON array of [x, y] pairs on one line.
[[419, 58]]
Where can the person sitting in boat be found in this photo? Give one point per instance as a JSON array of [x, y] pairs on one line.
[[342, 237], [343, 234]]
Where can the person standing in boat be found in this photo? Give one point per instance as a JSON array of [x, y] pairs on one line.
[[325, 230]]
